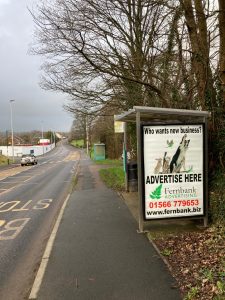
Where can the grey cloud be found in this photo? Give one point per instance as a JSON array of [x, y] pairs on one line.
[[19, 75]]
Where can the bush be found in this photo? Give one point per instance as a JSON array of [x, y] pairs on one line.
[[217, 199], [3, 160]]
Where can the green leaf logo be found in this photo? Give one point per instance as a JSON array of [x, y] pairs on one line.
[[156, 194]]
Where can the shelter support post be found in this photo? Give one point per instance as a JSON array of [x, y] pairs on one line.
[[125, 156], [140, 192]]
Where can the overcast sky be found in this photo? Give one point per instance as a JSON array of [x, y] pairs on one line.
[[20, 74]]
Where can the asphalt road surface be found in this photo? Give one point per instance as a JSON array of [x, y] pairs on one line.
[[30, 200]]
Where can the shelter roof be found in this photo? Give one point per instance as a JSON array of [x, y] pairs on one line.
[[148, 114]]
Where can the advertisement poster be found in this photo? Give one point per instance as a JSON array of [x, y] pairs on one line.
[[173, 171], [118, 127]]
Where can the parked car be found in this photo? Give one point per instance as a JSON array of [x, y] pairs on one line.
[[28, 159]]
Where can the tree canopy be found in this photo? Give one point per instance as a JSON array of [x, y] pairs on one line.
[[121, 53]]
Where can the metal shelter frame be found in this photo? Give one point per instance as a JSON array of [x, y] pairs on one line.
[[154, 115]]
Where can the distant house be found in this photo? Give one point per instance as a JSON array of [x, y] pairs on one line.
[[44, 142]]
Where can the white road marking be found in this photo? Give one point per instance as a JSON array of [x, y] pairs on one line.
[[22, 182], [2, 222], [12, 181], [13, 228], [18, 184], [46, 255], [45, 258], [21, 176], [43, 163]]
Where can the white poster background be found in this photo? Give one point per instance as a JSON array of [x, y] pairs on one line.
[[175, 199], [118, 127]]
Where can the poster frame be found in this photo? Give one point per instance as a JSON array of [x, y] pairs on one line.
[[204, 181]]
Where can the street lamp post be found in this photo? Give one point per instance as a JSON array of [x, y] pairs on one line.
[[42, 137], [87, 135], [7, 146], [11, 115], [42, 130]]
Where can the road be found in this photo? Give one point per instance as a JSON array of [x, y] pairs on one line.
[[30, 200]]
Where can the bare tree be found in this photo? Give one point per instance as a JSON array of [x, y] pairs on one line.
[[99, 51], [196, 21], [117, 54]]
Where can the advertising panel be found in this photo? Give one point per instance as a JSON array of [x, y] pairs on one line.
[[173, 171], [118, 127]]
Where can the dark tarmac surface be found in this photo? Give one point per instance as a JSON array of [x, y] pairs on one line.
[[10, 166], [98, 254]]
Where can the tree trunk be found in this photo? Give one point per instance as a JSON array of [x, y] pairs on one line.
[[197, 28], [222, 47]]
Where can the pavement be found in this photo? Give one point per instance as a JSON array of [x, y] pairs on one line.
[[98, 253]]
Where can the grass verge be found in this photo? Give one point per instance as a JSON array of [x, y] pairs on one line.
[[113, 177], [3, 160], [114, 162], [77, 143]]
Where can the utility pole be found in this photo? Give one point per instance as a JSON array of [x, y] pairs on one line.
[[42, 137], [11, 115], [7, 146]]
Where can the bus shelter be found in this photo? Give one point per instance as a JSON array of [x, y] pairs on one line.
[[172, 162]]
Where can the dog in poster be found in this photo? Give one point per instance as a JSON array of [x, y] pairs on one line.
[[178, 160]]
